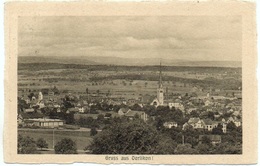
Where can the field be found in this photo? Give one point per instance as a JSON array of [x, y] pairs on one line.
[[129, 82], [81, 137]]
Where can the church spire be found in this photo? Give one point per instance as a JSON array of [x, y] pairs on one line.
[[160, 79]]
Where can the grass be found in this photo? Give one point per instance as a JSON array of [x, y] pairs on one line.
[[82, 138]]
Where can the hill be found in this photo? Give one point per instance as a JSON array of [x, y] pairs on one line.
[[100, 60]]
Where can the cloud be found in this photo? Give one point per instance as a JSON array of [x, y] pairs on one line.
[[186, 36]]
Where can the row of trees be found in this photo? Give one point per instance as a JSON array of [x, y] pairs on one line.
[[27, 145]]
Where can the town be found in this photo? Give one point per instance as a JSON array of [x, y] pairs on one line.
[[194, 114]]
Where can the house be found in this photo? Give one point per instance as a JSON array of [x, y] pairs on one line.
[[29, 110], [130, 114], [196, 123], [189, 110], [41, 104], [207, 103], [237, 122], [215, 139], [44, 123], [186, 126], [123, 111], [176, 105], [170, 124], [142, 115], [206, 124], [209, 124], [132, 101], [83, 109]]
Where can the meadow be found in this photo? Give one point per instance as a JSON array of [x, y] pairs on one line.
[[82, 138]]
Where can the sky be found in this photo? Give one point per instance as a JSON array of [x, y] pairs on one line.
[[198, 38]]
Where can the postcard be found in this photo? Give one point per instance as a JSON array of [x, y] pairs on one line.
[[131, 82]]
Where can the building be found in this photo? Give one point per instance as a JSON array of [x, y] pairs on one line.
[[131, 114], [170, 124], [159, 101], [209, 124], [44, 123], [196, 123], [40, 96], [176, 105], [206, 124], [29, 110]]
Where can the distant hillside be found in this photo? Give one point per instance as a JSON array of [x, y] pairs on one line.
[[165, 62], [56, 59], [126, 61]]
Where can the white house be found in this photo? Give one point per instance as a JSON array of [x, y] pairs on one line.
[[170, 124], [43, 122]]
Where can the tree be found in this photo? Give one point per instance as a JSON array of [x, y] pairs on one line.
[[194, 114], [132, 137], [93, 131], [55, 90], [66, 146], [136, 107], [231, 126], [211, 115], [185, 149], [205, 140], [26, 145], [191, 140], [203, 148], [218, 130], [159, 123], [226, 148], [145, 84], [31, 95], [166, 145], [41, 143]]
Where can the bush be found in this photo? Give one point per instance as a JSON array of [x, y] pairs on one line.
[[41, 143], [26, 145], [65, 146]]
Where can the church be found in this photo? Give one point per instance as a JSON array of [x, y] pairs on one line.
[[159, 101]]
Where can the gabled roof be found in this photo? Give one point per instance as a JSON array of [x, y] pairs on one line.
[[194, 120], [208, 121], [124, 109]]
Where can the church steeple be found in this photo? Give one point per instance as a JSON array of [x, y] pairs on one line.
[[160, 97], [160, 75]]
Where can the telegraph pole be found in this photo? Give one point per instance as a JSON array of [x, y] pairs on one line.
[[53, 138]]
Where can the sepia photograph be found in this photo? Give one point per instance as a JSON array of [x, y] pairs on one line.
[[131, 87]]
